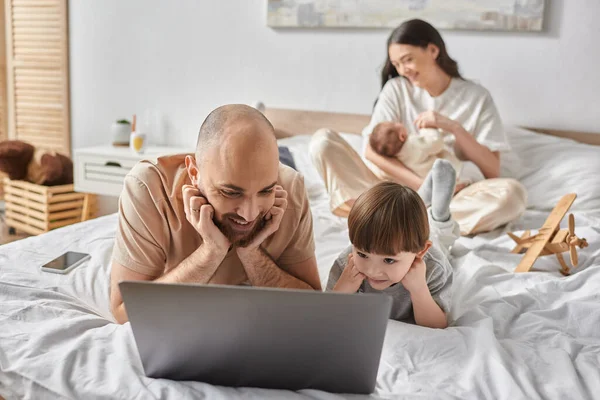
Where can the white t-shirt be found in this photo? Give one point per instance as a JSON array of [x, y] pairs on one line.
[[465, 102]]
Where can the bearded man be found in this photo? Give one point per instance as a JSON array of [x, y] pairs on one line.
[[231, 214]]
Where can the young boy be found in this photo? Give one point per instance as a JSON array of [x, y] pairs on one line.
[[400, 248]]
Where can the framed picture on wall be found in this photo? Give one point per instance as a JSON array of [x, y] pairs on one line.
[[496, 15]]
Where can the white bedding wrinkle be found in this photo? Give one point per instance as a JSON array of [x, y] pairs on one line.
[[513, 336]]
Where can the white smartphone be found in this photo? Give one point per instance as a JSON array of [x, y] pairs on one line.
[[66, 262]]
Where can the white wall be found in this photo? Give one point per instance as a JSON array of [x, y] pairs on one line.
[[186, 57]]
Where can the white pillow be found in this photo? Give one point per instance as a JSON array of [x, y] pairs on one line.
[[553, 167]]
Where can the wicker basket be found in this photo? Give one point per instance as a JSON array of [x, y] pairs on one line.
[[36, 209]]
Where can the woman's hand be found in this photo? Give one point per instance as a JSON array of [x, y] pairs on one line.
[[435, 120], [465, 145]]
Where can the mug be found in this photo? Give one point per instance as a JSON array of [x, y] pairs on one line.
[[137, 142]]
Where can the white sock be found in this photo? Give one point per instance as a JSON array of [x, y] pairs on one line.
[[443, 182]]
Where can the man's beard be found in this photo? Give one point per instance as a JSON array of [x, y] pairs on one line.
[[225, 225]]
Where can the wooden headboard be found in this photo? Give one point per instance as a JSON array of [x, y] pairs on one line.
[[289, 122]]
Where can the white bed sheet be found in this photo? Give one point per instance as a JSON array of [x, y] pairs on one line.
[[534, 335]]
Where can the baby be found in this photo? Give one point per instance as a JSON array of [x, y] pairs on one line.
[[418, 152]]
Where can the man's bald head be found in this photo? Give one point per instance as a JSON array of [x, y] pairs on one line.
[[236, 169], [231, 124]]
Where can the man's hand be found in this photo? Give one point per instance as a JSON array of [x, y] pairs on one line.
[[351, 278], [273, 220], [200, 214], [415, 281]]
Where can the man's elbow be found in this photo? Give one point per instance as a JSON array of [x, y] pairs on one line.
[[443, 324], [118, 312], [306, 285]]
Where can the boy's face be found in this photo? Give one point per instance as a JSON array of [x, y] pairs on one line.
[[383, 271]]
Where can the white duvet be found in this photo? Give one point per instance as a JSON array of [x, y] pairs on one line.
[[513, 336]]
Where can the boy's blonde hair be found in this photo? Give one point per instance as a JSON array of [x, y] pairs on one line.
[[389, 219]]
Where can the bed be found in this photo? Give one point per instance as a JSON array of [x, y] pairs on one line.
[[513, 336]]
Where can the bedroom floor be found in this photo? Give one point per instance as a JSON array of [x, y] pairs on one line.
[[5, 237]]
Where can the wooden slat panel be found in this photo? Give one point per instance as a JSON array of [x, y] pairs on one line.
[[38, 72], [26, 185], [40, 118], [34, 111], [27, 190], [37, 209], [35, 58], [65, 205], [49, 140], [52, 139], [67, 214], [36, 3], [58, 189], [3, 83], [57, 198], [24, 227], [28, 18], [52, 32], [39, 113], [37, 77], [36, 38], [49, 86], [26, 9], [34, 51], [31, 212], [54, 127], [30, 104], [25, 202], [35, 64], [25, 219], [32, 101], [64, 222]]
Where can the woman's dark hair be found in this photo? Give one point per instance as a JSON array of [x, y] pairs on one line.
[[416, 32]]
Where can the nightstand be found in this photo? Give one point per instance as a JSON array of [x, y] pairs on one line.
[[101, 170]]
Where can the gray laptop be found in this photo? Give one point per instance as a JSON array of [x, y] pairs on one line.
[[269, 338]]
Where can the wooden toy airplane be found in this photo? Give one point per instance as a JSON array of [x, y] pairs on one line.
[[550, 240]]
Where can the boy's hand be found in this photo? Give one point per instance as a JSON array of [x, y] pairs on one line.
[[351, 278], [414, 280]]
